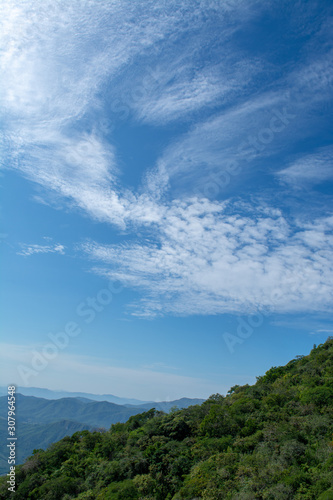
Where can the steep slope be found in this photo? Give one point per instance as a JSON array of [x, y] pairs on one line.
[[272, 440]]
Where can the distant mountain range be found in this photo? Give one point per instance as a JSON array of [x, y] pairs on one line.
[[48, 394], [42, 421]]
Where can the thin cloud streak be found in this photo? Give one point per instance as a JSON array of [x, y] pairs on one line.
[[28, 250], [310, 169]]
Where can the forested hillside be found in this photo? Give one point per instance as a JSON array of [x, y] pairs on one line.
[[43, 434], [272, 440], [42, 422]]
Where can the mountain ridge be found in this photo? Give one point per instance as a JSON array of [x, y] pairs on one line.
[[44, 393]]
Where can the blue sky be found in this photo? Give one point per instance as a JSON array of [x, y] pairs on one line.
[[166, 192]]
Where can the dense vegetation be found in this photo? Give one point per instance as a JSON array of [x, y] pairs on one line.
[[41, 422], [43, 435], [272, 440]]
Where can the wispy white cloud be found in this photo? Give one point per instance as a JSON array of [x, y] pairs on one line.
[[58, 60], [169, 83], [57, 57], [28, 250], [310, 169], [250, 128], [204, 257], [56, 65], [321, 332], [314, 79], [207, 259], [63, 52], [240, 135], [175, 87]]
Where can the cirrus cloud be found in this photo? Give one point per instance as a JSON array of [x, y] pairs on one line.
[[208, 259]]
